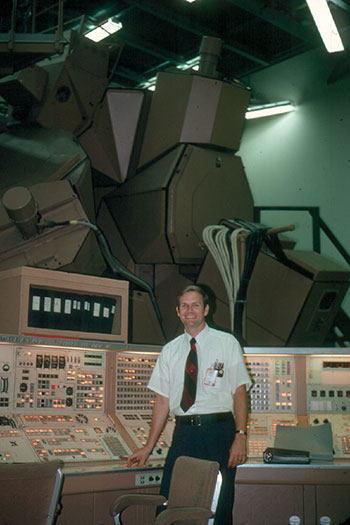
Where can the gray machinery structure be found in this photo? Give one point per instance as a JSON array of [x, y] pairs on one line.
[[150, 170]]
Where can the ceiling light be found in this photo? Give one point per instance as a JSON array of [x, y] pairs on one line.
[[104, 30], [112, 25], [190, 1], [267, 110], [190, 64], [149, 84], [97, 34], [326, 25]]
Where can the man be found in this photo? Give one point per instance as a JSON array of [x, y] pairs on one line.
[[217, 376]]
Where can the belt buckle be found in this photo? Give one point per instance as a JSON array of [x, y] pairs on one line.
[[196, 420]]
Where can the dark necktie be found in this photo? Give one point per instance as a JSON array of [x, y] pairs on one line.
[[191, 373]]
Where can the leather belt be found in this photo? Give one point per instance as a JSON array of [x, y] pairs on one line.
[[203, 419]]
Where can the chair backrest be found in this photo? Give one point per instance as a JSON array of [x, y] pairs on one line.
[[30, 492], [193, 482]]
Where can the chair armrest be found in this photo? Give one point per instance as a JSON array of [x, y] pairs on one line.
[[126, 500], [169, 516]]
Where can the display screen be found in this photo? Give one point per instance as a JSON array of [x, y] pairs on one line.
[[336, 365]]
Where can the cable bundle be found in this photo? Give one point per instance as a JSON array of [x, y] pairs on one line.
[[253, 246], [223, 245]]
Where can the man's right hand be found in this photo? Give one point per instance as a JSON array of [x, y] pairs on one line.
[[138, 458], [159, 417]]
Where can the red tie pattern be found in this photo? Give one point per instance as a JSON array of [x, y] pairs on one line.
[[190, 382]]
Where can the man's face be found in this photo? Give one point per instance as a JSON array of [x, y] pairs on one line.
[[192, 312]]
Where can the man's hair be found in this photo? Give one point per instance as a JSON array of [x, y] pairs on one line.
[[193, 288]]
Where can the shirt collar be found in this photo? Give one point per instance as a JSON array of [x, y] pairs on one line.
[[199, 337]]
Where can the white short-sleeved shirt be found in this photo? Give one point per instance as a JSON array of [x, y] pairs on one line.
[[221, 369]]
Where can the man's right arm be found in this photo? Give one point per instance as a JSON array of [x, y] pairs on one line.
[[159, 417]]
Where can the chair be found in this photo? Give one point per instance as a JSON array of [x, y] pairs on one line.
[[190, 499], [33, 492]]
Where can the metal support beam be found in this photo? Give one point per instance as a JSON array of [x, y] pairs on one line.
[[147, 47], [275, 17], [196, 29]]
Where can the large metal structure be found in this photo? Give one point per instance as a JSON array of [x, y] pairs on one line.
[[150, 170], [151, 173]]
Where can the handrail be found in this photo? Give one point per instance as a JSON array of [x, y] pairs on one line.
[[342, 320], [14, 38], [318, 224]]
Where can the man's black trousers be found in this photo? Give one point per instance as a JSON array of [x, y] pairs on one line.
[[208, 441]]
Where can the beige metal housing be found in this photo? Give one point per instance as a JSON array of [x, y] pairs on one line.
[[194, 109], [162, 211], [44, 312]]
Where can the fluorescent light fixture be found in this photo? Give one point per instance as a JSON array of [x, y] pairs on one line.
[[97, 34], [112, 25], [190, 64], [149, 84], [326, 25], [267, 110], [107, 28]]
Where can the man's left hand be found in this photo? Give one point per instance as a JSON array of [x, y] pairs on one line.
[[238, 451]]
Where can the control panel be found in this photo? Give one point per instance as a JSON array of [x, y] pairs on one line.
[[262, 431], [53, 405], [92, 404], [72, 438], [272, 399], [134, 401], [328, 384], [58, 380], [328, 397], [273, 387]]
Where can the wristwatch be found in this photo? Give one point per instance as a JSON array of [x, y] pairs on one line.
[[243, 432]]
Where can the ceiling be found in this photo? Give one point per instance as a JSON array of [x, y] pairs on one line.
[[162, 34]]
